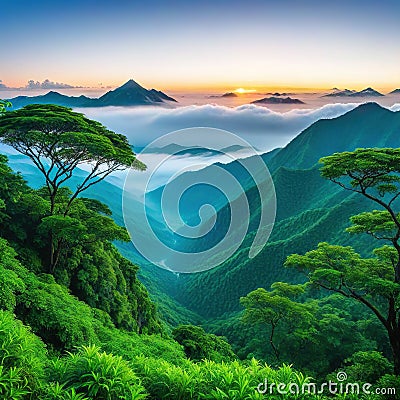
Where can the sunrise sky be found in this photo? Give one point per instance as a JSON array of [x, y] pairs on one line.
[[206, 44]]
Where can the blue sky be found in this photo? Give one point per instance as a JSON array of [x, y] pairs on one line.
[[183, 44]]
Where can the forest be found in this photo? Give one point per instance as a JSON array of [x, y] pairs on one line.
[[77, 320]]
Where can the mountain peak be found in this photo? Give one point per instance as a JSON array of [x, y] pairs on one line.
[[52, 93], [131, 84], [131, 93], [367, 92], [370, 106]]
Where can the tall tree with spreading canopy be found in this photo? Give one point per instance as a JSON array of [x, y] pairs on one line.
[[59, 141], [275, 307], [375, 281]]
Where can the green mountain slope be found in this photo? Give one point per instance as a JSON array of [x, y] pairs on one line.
[[309, 209], [368, 125]]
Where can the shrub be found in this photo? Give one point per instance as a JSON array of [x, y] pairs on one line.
[[130, 345], [97, 375], [10, 283], [22, 359], [209, 380]]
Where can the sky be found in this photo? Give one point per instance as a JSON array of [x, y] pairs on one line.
[[182, 45]]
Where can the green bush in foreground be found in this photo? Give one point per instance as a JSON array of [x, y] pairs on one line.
[[211, 380], [22, 359], [95, 375]]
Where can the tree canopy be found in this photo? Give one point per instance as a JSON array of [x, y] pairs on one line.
[[58, 140], [274, 307], [199, 345]]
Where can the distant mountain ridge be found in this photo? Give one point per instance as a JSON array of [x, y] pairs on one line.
[[368, 92], [277, 100], [129, 94]]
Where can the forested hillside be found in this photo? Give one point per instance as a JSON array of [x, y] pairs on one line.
[[309, 209]]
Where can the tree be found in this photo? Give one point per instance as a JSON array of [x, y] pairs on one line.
[[199, 345], [274, 307], [58, 141], [375, 281]]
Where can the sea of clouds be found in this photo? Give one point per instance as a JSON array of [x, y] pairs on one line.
[[262, 128]]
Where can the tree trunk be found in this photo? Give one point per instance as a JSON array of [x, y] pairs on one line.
[[55, 256], [51, 253], [52, 206], [394, 338], [271, 342]]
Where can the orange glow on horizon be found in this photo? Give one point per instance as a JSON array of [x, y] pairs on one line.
[[243, 91], [168, 85]]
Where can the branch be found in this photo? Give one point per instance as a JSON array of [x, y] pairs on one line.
[[357, 297]]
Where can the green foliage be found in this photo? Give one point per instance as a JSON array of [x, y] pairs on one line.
[[367, 366], [374, 281], [57, 317], [53, 314], [275, 307], [129, 345], [389, 382], [58, 141], [61, 227], [209, 380], [377, 223], [22, 359], [55, 391], [68, 138], [199, 345], [96, 375], [342, 270], [365, 168], [339, 328], [3, 105], [309, 210], [92, 287], [88, 264], [11, 284]]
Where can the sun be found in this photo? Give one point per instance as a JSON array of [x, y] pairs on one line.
[[242, 91]]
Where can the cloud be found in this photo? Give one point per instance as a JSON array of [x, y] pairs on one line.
[[47, 84], [3, 86], [35, 85], [261, 127]]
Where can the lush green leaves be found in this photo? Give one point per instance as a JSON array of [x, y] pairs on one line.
[[199, 345], [366, 168], [3, 105], [97, 375], [342, 270], [275, 307], [22, 359]]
